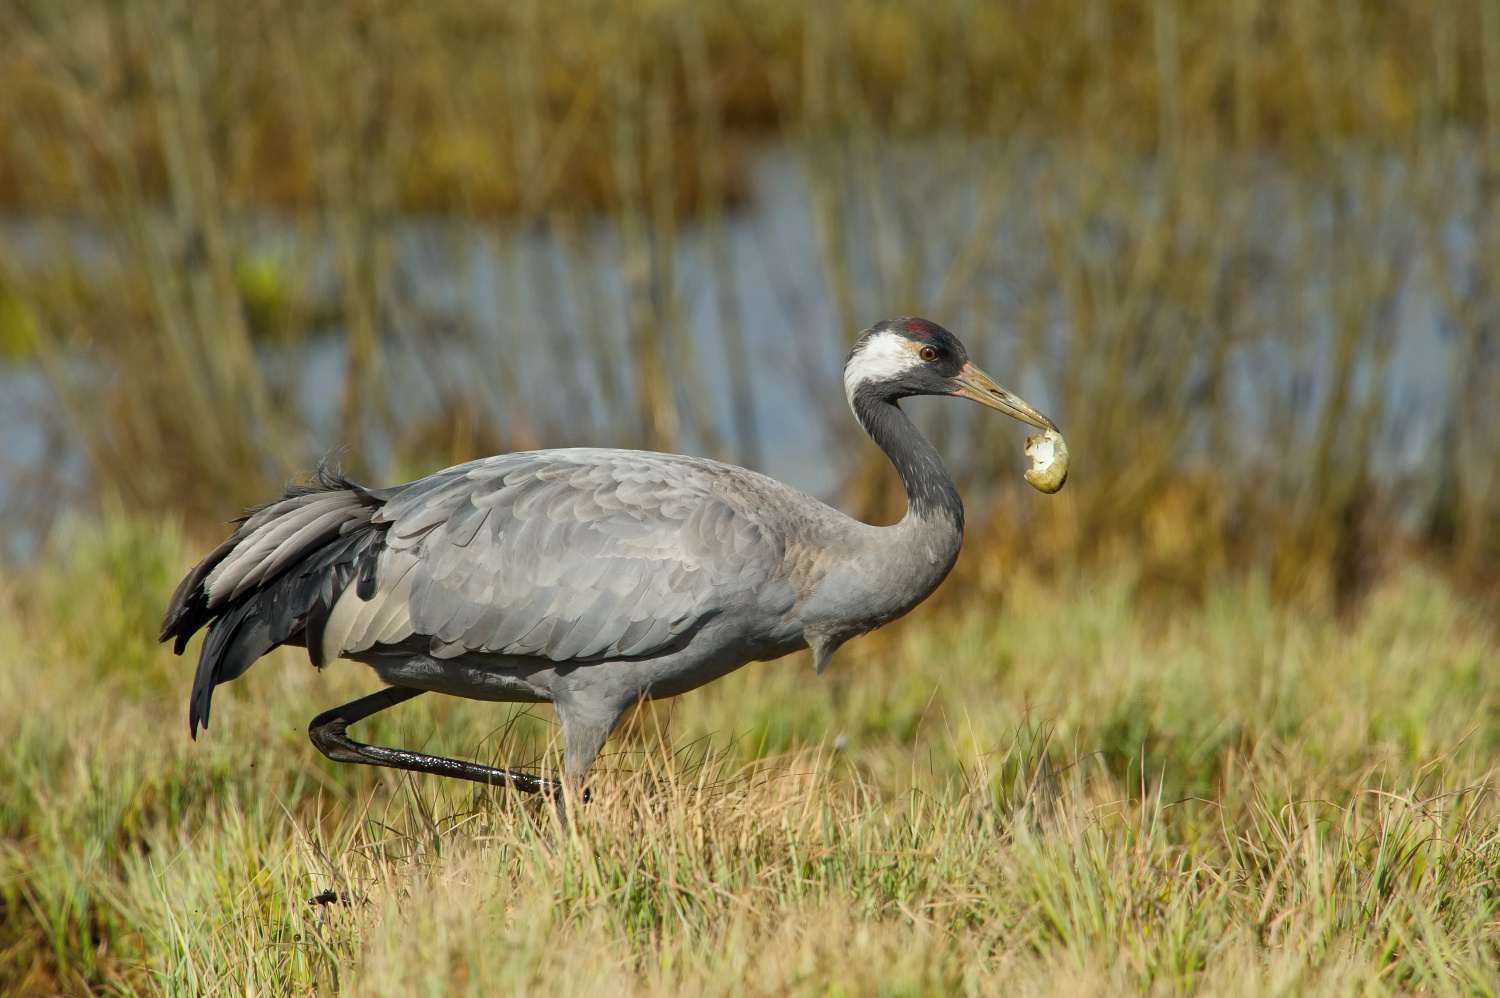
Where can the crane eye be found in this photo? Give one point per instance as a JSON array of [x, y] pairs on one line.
[[927, 353]]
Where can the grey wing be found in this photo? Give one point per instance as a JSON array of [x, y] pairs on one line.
[[582, 555]]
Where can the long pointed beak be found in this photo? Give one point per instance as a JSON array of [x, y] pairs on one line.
[[1047, 450], [976, 385]]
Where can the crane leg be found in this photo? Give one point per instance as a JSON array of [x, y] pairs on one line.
[[328, 732]]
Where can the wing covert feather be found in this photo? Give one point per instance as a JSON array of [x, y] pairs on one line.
[[563, 554]]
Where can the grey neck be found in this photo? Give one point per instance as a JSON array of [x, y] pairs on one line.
[[931, 495], [891, 569]]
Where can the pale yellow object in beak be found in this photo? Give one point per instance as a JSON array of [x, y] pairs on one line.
[[1047, 450], [1049, 461]]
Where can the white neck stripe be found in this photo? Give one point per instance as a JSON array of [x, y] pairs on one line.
[[881, 358]]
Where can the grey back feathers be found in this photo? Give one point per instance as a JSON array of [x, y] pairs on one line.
[[278, 535], [563, 555], [566, 555]]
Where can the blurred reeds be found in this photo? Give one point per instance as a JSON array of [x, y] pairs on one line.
[[1136, 149]]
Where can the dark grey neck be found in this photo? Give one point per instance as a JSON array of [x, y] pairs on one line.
[[930, 490]]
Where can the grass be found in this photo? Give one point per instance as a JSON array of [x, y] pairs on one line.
[[1061, 794]]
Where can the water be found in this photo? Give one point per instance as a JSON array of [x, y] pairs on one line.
[[462, 307]]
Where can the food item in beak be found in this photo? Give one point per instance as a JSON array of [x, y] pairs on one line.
[[1049, 461]]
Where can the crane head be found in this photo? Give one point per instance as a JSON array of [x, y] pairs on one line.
[[907, 356]]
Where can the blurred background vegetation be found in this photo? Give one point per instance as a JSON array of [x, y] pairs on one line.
[[1242, 251]]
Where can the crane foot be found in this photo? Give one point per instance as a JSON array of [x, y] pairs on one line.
[[328, 731]]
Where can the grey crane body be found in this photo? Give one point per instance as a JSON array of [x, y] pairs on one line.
[[586, 578]]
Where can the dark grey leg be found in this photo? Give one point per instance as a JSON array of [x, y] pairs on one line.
[[586, 726], [327, 732]]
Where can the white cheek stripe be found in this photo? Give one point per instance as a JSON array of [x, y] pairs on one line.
[[882, 357]]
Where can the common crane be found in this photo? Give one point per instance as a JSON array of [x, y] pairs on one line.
[[588, 578]]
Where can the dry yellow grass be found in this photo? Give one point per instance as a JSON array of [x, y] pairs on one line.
[[1054, 794]]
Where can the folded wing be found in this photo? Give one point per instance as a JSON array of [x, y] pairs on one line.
[[564, 555]]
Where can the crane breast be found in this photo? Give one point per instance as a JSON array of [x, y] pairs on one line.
[[566, 555]]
